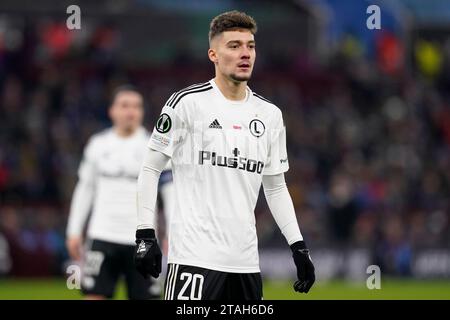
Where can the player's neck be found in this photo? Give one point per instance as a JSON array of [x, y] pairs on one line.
[[230, 89], [124, 132]]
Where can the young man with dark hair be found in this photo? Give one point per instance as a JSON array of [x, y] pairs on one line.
[[107, 185], [224, 140]]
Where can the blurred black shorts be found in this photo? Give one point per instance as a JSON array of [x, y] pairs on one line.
[[105, 263], [195, 283]]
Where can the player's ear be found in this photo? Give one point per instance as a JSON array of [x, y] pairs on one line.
[[212, 54]]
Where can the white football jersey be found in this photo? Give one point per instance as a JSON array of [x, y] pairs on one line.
[[220, 149], [108, 175]]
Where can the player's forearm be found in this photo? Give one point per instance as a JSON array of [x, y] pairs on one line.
[[281, 206], [147, 188], [83, 196]]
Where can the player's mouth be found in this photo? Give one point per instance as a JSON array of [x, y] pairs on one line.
[[244, 66]]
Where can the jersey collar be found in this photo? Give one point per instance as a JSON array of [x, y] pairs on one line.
[[248, 94], [139, 131]]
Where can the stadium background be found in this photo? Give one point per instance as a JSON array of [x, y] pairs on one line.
[[367, 115]]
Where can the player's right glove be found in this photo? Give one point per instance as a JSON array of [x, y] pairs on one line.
[[147, 256], [305, 267]]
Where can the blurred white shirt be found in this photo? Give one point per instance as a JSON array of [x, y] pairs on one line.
[[107, 184]]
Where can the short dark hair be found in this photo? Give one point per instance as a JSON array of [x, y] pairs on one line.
[[231, 20], [124, 88]]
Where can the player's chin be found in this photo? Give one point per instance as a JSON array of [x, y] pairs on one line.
[[131, 126], [241, 76]]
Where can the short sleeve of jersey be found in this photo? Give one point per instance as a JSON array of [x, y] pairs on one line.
[[277, 160], [169, 130]]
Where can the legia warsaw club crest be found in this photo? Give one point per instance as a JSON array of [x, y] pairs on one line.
[[257, 127]]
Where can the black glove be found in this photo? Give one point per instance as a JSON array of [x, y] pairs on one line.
[[305, 267], [147, 256]]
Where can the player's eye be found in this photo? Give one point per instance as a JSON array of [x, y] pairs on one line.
[[252, 46], [234, 46]]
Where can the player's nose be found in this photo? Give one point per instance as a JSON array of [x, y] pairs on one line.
[[245, 53]]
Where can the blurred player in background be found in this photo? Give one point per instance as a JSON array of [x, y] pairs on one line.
[[224, 141], [107, 184]]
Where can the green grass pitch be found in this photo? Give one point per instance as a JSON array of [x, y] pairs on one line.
[[391, 289]]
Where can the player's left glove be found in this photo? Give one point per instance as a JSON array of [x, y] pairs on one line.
[[305, 267], [147, 256]]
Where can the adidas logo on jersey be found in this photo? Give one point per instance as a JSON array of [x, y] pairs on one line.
[[215, 124]]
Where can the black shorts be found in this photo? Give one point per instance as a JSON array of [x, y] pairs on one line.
[[195, 283], [105, 262]]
